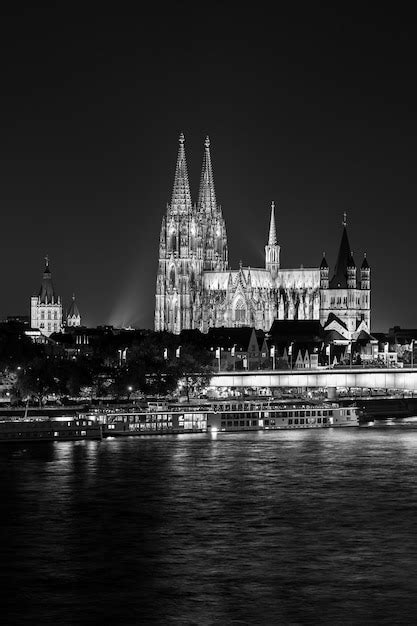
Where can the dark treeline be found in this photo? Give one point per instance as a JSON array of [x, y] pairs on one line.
[[109, 363]]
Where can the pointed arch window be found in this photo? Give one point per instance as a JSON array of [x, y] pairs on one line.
[[172, 277], [173, 239], [240, 312]]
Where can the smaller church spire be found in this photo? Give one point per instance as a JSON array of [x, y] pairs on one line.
[[324, 263], [272, 240], [272, 248], [73, 315], [46, 292]]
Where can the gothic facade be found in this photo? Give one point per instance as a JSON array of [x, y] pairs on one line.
[[195, 287], [46, 307]]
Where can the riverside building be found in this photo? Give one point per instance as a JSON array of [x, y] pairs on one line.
[[46, 307]]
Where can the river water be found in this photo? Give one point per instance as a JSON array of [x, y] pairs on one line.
[[292, 527]]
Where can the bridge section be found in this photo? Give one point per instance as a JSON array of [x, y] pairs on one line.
[[378, 378]]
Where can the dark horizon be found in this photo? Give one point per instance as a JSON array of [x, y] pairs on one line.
[[315, 111]]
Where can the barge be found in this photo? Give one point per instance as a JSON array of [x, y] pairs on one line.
[[215, 417], [47, 429], [227, 416]]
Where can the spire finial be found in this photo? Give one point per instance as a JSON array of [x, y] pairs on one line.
[[324, 255], [182, 138], [207, 142], [47, 260], [73, 296], [344, 218]]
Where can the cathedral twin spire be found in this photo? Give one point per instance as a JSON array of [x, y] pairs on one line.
[[181, 196], [207, 195]]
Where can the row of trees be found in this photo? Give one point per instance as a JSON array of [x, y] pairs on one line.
[[153, 366]]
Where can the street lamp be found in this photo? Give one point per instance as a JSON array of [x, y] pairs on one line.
[[272, 353], [412, 353], [219, 355], [349, 350], [290, 353], [233, 354], [122, 355], [328, 353]]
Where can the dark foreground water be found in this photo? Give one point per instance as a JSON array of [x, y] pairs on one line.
[[315, 527]]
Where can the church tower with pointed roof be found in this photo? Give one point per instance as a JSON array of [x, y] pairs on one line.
[[46, 307], [181, 256], [73, 315], [272, 248], [214, 238], [345, 297]]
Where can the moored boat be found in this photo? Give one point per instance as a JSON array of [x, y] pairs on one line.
[[46, 429], [227, 416], [238, 416]]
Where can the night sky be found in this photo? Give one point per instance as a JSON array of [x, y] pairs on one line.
[[315, 110]]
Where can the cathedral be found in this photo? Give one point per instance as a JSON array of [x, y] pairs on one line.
[[196, 289]]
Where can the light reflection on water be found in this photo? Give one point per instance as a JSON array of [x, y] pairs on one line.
[[249, 528]]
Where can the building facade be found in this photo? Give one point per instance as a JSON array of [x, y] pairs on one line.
[[196, 289], [46, 307]]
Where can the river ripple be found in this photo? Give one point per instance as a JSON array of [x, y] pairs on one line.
[[315, 527]]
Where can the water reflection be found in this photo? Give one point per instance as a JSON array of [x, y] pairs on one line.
[[252, 528]]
